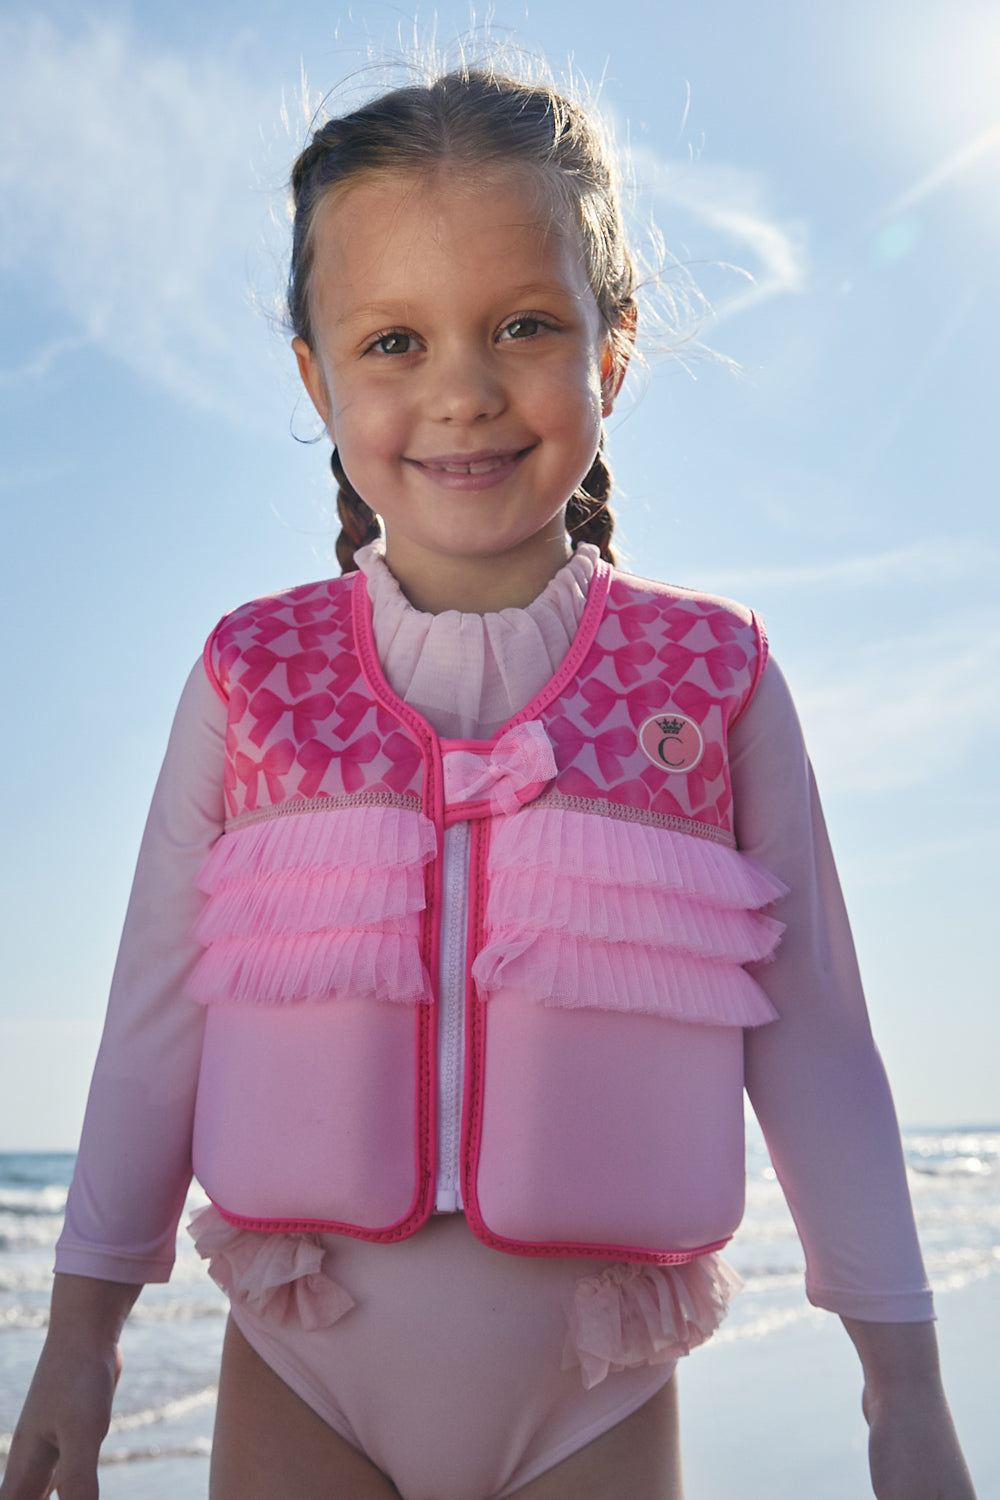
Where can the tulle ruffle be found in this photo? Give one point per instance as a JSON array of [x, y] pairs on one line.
[[629, 1315], [589, 911], [538, 900], [573, 973], [316, 904], [318, 966], [611, 851], [282, 1277]]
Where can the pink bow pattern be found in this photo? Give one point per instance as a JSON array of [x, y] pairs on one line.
[[499, 778]]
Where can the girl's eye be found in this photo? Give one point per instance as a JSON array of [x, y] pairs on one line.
[[521, 328], [395, 342]]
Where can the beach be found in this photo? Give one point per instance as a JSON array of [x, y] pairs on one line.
[[770, 1407], [779, 1417]]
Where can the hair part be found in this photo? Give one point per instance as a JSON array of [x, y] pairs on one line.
[[475, 119]]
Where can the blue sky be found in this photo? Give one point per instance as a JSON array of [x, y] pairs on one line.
[[827, 176]]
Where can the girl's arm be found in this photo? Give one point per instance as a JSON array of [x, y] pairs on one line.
[[134, 1164], [912, 1447], [820, 1093], [133, 1168], [68, 1407]]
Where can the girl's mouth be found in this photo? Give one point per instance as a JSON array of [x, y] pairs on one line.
[[471, 471]]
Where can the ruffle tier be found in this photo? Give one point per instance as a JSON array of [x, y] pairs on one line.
[[313, 905], [586, 911], [285, 1278], [584, 847], [629, 1315]]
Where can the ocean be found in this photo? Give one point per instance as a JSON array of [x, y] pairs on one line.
[[161, 1432]]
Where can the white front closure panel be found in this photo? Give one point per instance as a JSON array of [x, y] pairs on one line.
[[451, 1016]]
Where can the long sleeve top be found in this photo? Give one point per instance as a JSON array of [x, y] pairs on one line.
[[814, 1077]]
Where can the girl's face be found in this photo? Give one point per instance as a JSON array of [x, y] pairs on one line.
[[462, 368]]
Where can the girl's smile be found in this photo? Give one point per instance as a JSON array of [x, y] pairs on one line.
[[462, 368], [473, 471]]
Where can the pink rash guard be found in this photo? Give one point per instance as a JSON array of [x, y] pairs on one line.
[[814, 1076]]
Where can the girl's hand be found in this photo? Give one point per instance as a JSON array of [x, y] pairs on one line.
[[65, 1419], [913, 1449], [58, 1437]]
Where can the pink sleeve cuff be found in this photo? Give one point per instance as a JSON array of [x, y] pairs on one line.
[[107, 1265], [875, 1307]]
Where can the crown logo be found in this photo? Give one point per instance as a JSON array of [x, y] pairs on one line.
[[672, 741]]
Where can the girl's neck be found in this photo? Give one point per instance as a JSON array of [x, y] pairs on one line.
[[434, 583]]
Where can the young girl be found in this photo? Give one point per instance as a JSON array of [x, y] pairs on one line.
[[476, 884]]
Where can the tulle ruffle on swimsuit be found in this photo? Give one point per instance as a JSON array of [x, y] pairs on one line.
[[460, 1372]]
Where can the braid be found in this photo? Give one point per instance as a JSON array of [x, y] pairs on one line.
[[359, 523], [588, 515]]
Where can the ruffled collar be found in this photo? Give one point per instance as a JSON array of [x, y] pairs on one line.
[[468, 673]]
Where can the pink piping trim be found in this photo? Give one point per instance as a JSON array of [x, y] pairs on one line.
[[590, 620], [431, 750], [472, 1114], [762, 655], [433, 805], [398, 1231], [404, 1229], [209, 664], [371, 667], [430, 747]]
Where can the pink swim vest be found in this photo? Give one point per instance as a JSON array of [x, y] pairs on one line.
[[610, 920]]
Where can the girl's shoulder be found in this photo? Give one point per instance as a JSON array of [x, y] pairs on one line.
[[712, 645], [301, 625], [626, 587]]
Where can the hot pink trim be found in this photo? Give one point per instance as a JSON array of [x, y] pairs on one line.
[[398, 1231], [472, 1118], [427, 1018], [762, 654], [475, 1034], [590, 620], [434, 807], [593, 611], [210, 671], [458, 812]]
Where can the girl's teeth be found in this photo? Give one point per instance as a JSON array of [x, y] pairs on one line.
[[482, 467]]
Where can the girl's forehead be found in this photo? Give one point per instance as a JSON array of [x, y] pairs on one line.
[[447, 207]]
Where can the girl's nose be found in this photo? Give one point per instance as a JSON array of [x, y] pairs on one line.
[[464, 387]]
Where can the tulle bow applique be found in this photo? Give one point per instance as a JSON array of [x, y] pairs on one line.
[[282, 1277], [499, 778]]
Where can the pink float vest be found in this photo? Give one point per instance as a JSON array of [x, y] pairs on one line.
[[610, 921]]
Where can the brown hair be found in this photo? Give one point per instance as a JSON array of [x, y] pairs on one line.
[[475, 117]]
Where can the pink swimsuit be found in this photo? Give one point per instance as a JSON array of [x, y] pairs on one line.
[[403, 1347]]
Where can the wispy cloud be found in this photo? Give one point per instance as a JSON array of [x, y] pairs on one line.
[[933, 559], [38, 364], [727, 209], [128, 188], [907, 711]]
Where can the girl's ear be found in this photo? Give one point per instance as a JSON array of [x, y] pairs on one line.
[[312, 379], [614, 360]]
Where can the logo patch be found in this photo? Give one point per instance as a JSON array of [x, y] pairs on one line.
[[671, 741]]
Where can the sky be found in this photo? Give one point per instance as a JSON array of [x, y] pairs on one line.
[[816, 192]]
